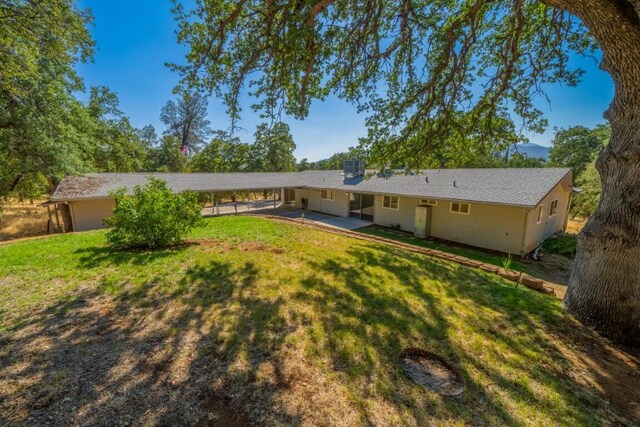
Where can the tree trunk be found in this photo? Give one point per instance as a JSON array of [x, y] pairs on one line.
[[604, 288]]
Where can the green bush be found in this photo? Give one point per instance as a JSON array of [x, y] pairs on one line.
[[562, 244], [153, 218]]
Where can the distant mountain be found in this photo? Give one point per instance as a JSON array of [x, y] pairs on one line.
[[532, 150]]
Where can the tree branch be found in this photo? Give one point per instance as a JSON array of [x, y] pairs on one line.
[[317, 10]]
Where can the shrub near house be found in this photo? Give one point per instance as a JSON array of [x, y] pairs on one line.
[[153, 218]]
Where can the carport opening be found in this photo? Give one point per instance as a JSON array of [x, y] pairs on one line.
[[241, 201]]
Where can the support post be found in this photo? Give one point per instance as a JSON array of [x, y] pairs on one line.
[[55, 209], [49, 222], [73, 221], [274, 198], [235, 203]]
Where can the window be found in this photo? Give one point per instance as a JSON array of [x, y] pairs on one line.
[[326, 194], [429, 202], [540, 212], [554, 208], [390, 202], [462, 208]]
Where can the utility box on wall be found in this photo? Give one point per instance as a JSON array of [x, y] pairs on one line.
[[423, 222]]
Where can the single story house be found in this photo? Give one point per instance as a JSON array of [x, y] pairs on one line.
[[508, 210]]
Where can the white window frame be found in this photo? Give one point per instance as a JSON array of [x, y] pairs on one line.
[[390, 200], [540, 214], [429, 202], [553, 208], [459, 211]]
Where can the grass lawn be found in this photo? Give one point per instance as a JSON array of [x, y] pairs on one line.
[[262, 322], [486, 257]]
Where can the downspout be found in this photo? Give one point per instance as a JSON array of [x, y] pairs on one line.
[[524, 234]]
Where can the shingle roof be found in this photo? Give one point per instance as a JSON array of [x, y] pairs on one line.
[[519, 187], [510, 186]]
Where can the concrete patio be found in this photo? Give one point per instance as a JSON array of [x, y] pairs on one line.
[[266, 207], [322, 219], [240, 207]]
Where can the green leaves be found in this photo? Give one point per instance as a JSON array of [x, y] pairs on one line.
[[45, 132], [272, 151], [224, 153], [578, 146], [428, 74], [154, 217], [273, 148]]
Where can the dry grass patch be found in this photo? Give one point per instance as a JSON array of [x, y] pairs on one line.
[[22, 219]]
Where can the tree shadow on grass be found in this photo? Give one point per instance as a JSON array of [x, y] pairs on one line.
[[97, 256], [383, 322], [211, 346], [187, 355], [524, 354]]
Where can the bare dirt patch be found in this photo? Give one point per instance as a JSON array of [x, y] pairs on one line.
[[225, 246], [432, 371], [551, 268], [221, 411], [95, 361], [259, 247], [614, 371]]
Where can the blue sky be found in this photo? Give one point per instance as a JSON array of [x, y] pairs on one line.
[[134, 40]]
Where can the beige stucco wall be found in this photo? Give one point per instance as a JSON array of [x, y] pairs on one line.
[[88, 214], [487, 226], [339, 206], [537, 232], [404, 215], [312, 195]]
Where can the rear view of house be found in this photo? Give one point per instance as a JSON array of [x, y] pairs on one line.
[[509, 210]]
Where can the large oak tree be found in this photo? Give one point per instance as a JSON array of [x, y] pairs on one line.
[[46, 132], [429, 72]]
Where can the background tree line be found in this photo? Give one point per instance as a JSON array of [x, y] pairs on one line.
[[47, 132]]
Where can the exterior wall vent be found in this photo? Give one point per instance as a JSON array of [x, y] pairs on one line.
[[353, 168]]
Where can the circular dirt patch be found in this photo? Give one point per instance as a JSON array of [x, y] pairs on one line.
[[432, 371]]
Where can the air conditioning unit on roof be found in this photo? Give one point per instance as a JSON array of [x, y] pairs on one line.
[[353, 168]]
